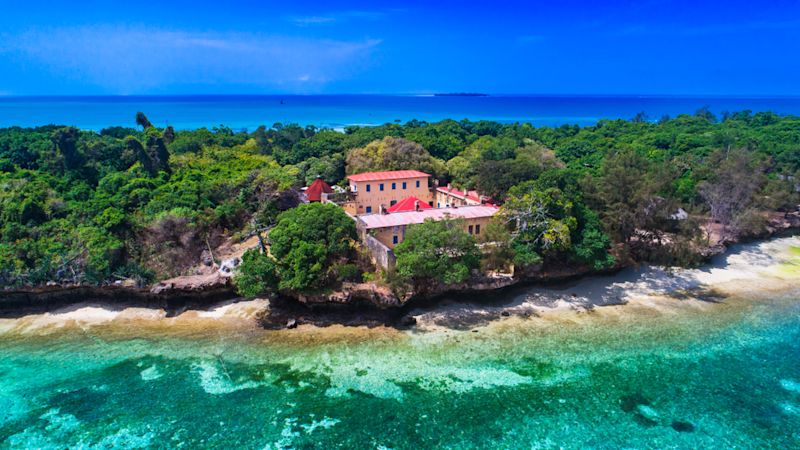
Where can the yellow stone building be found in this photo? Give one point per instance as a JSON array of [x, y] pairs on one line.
[[372, 191]]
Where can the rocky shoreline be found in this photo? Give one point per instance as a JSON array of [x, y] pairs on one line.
[[17, 303], [351, 304]]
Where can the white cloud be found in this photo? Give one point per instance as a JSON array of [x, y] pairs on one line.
[[312, 20], [333, 17], [142, 60]]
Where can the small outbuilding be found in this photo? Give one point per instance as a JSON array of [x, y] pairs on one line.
[[317, 188]]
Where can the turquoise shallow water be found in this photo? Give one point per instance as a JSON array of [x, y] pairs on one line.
[[733, 382], [674, 374]]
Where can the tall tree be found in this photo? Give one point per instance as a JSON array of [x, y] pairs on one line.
[[622, 192], [306, 242], [392, 153], [730, 191], [143, 121], [158, 153], [168, 135], [65, 141], [148, 164]]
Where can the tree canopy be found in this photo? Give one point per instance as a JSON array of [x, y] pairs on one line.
[[439, 251], [144, 202], [305, 244], [392, 153]]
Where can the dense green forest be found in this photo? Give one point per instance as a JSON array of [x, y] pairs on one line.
[[143, 202]]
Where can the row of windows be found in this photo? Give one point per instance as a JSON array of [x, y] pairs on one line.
[[394, 186], [472, 230]]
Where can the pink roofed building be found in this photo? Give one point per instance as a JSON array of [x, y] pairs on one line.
[[390, 228]]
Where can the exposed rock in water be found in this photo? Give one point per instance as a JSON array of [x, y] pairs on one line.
[[648, 412], [629, 403], [284, 311], [638, 405], [682, 427]]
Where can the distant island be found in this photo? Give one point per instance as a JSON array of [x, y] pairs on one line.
[[460, 94]]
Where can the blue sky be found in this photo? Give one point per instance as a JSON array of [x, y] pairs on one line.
[[254, 47]]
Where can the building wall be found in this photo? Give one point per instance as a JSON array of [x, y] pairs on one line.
[[381, 255], [386, 235], [350, 208], [375, 197]]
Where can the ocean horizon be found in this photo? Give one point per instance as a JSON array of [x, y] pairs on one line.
[[247, 112]]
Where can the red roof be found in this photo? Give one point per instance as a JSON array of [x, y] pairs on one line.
[[391, 175], [314, 192], [408, 204]]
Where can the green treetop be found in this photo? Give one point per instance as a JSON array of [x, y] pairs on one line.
[[438, 251]]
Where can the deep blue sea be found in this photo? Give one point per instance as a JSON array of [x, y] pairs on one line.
[[335, 111]]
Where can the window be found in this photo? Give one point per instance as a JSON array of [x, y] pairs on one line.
[[394, 186], [417, 183], [393, 202], [477, 229], [470, 229], [369, 209], [394, 240], [380, 187], [367, 188], [438, 205], [404, 184]]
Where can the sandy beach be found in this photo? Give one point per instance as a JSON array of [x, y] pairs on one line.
[[753, 270]]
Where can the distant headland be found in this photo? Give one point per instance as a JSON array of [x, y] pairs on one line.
[[460, 94]]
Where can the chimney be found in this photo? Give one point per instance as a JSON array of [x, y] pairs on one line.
[[448, 187], [416, 205]]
